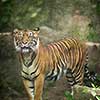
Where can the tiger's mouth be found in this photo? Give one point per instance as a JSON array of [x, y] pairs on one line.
[[25, 49]]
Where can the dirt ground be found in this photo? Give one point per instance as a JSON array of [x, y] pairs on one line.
[[56, 91], [52, 91]]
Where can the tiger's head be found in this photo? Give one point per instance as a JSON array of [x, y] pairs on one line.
[[26, 40]]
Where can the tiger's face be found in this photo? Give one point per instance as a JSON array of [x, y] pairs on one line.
[[26, 40]]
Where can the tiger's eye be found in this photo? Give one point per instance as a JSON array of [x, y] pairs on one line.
[[30, 34], [20, 34]]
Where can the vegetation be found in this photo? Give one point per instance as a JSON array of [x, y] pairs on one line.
[[83, 92], [95, 88], [69, 96]]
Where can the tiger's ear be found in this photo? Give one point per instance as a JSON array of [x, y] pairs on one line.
[[15, 31], [36, 31]]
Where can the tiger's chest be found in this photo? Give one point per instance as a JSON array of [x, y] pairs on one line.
[[29, 72]]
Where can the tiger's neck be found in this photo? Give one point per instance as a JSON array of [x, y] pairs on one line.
[[27, 58]]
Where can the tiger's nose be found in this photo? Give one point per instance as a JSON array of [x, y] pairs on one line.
[[25, 41]]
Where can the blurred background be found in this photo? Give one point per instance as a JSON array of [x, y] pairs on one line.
[[57, 19]]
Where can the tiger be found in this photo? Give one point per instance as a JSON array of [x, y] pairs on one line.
[[66, 57]]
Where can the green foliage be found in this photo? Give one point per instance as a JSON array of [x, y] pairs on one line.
[[98, 77], [68, 95], [97, 6], [96, 87], [30, 14], [98, 97], [5, 14], [93, 36]]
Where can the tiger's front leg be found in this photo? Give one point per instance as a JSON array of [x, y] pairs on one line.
[[29, 86], [39, 83], [34, 89]]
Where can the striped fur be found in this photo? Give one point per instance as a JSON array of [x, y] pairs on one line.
[[65, 57]]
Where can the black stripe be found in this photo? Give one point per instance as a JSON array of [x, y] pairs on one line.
[[25, 72], [51, 77], [35, 70], [78, 82], [79, 66], [33, 57], [31, 87], [70, 80], [78, 76], [48, 76], [58, 70], [36, 76], [61, 54], [27, 78]]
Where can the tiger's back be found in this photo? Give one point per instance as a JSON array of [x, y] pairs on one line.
[[65, 57]]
